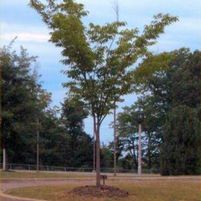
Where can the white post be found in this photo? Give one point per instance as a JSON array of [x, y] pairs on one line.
[[37, 147], [94, 145], [94, 153], [139, 151], [115, 144], [4, 159]]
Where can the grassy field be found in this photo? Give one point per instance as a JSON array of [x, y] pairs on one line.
[[149, 190], [44, 174], [34, 174]]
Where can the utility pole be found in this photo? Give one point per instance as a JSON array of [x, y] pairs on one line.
[[37, 146], [139, 150], [115, 144]]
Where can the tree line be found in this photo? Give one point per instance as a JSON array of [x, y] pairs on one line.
[[169, 87], [169, 84], [26, 110]]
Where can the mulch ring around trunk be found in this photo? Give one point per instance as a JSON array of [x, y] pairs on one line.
[[103, 191]]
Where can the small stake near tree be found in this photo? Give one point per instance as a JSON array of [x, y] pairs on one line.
[[99, 57]]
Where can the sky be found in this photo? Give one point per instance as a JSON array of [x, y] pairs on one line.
[[18, 19]]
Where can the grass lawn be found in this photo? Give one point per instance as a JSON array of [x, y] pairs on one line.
[[34, 174], [152, 190]]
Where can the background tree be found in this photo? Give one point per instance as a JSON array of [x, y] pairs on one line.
[[19, 100], [106, 158], [128, 134], [180, 151], [99, 57], [24, 102], [172, 81], [79, 143]]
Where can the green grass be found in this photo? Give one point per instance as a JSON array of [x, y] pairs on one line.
[[32, 174], [153, 190]]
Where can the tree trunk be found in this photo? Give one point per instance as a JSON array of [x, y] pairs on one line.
[[149, 152], [97, 129], [135, 163]]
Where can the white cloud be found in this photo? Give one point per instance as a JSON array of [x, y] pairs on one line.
[[58, 95], [14, 2], [189, 24], [26, 37], [143, 7]]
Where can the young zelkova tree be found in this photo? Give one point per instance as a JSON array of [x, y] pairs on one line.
[[100, 58]]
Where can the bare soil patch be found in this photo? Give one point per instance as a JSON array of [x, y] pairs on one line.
[[103, 191]]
